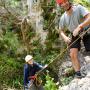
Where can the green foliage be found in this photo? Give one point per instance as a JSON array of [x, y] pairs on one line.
[[44, 57], [83, 2], [11, 40], [49, 24], [9, 71], [50, 85], [13, 3], [52, 2], [50, 56], [10, 66]]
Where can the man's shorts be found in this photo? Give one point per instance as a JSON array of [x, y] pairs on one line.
[[76, 43]]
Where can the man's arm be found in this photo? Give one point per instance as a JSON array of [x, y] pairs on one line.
[[39, 67], [86, 22], [86, 14], [82, 25]]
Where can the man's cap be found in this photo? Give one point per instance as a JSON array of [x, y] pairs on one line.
[[28, 57], [59, 1]]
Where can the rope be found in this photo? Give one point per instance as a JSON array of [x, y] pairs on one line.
[[38, 73], [38, 81], [65, 50]]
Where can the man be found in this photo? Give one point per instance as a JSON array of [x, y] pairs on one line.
[[30, 69], [75, 18]]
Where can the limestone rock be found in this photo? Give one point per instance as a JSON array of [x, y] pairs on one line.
[[84, 83]]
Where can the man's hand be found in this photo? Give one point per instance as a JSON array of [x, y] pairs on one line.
[[45, 66], [67, 40], [76, 31]]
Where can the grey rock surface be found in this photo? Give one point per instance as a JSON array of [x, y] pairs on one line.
[[84, 83]]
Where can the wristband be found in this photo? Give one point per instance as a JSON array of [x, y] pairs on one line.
[[81, 27]]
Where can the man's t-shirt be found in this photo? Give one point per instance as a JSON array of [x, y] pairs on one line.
[[72, 21], [33, 69], [30, 71]]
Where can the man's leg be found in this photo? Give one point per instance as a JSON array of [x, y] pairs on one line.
[[75, 62], [40, 87], [74, 59], [25, 77], [74, 49], [26, 88], [32, 87]]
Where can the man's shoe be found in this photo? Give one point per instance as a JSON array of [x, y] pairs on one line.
[[79, 76], [25, 87]]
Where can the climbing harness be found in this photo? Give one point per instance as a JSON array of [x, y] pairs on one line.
[[37, 80]]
